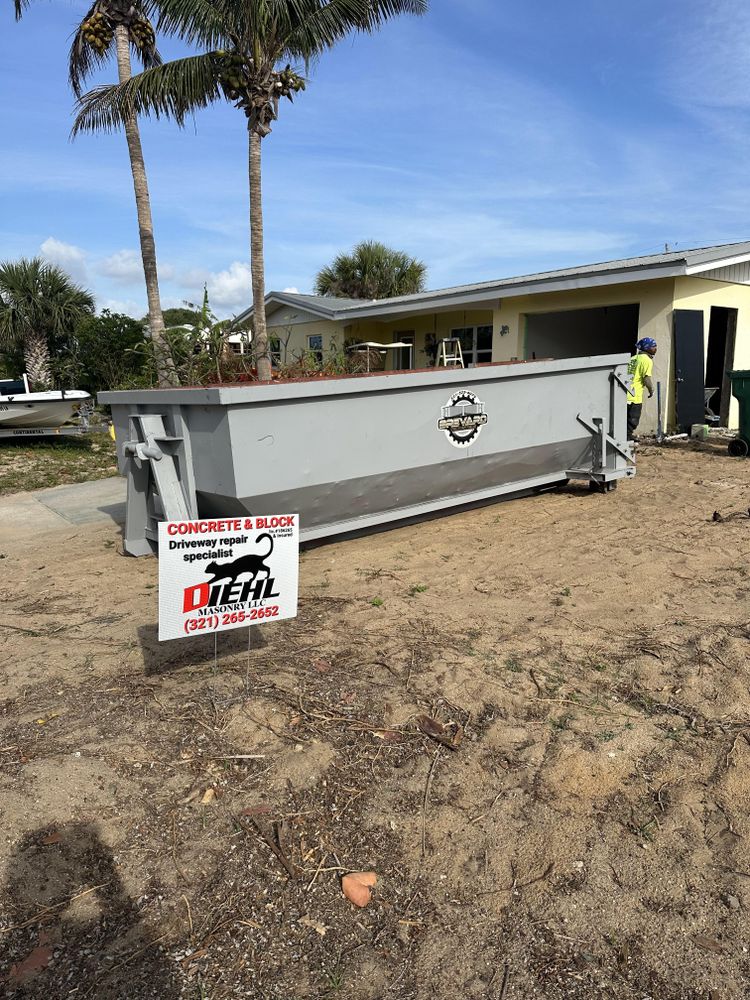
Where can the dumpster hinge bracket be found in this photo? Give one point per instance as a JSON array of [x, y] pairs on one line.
[[623, 383], [595, 427], [153, 474]]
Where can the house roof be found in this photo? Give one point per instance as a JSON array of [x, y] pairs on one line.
[[673, 264]]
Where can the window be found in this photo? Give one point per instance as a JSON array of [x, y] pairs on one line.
[[236, 346], [315, 346], [274, 351], [476, 343], [403, 357]]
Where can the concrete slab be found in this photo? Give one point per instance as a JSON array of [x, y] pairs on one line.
[[21, 514], [87, 503], [56, 508]]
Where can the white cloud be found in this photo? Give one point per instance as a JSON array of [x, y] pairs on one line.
[[230, 289], [71, 259], [128, 306], [124, 267], [292, 290]]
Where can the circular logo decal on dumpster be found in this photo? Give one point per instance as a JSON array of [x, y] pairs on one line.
[[462, 418]]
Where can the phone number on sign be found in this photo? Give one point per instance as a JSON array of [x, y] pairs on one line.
[[211, 622]]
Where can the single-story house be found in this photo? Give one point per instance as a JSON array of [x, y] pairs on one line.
[[695, 303]]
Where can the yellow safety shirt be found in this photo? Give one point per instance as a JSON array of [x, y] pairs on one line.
[[640, 367]]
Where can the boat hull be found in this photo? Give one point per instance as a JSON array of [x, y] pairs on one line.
[[26, 411]]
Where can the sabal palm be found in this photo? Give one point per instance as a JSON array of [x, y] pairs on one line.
[[38, 302], [372, 271], [247, 41], [117, 26]]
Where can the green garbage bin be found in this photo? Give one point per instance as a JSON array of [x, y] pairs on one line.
[[740, 446]]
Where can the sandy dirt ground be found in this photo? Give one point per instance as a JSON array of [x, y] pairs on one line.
[[172, 827]]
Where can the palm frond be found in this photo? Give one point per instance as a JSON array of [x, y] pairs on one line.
[[148, 57], [38, 296], [371, 271], [171, 90], [315, 25], [20, 7], [198, 22]]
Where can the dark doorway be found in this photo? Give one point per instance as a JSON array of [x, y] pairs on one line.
[[722, 330], [689, 355], [403, 356], [580, 333]]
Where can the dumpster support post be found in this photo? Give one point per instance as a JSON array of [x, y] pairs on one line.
[[609, 457]]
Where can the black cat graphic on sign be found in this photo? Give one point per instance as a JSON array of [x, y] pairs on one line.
[[251, 563]]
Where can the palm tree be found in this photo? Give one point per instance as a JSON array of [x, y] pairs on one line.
[[371, 271], [247, 43], [38, 302], [116, 26]]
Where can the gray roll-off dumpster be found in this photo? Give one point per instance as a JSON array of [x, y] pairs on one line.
[[357, 452]]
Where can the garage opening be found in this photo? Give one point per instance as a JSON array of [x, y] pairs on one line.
[[581, 333], [719, 359]]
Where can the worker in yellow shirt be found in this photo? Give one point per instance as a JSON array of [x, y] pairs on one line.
[[640, 368]]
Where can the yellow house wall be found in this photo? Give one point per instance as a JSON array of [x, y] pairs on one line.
[[656, 299], [439, 324], [296, 331], [702, 293], [654, 320]]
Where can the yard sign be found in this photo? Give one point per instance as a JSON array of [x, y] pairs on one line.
[[230, 573]]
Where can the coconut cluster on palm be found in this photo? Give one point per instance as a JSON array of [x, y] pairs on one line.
[[98, 27], [257, 94]]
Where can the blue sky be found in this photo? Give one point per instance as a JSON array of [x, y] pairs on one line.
[[487, 138]]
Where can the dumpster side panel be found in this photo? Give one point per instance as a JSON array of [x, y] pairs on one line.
[[358, 452]]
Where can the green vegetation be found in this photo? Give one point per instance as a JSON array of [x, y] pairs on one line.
[[39, 309], [104, 352], [33, 465], [371, 271]]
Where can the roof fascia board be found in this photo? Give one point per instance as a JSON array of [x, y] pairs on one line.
[[714, 265], [278, 299], [516, 291]]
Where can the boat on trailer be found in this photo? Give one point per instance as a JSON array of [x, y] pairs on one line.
[[21, 409]]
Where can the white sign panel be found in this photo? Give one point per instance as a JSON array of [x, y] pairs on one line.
[[230, 573]]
